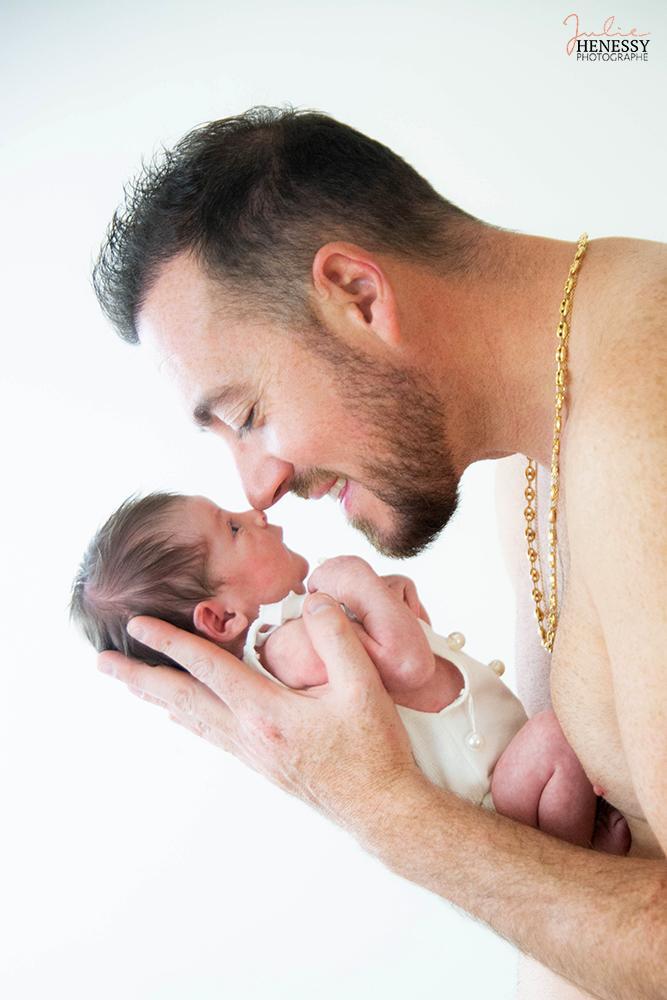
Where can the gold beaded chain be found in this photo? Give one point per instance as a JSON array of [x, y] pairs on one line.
[[547, 634]]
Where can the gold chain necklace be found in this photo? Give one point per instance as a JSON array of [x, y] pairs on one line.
[[548, 631]]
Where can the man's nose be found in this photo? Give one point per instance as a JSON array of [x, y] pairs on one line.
[[265, 478]]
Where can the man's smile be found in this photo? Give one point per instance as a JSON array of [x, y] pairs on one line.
[[324, 490], [338, 487]]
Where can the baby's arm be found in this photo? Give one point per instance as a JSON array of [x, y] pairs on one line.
[[387, 610], [539, 781], [388, 607], [288, 654]]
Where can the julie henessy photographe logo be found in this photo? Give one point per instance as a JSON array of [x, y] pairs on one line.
[[609, 45]]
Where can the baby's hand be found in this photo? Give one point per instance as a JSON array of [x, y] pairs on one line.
[[288, 654], [387, 610], [405, 588]]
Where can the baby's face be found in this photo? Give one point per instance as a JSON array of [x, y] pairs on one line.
[[246, 552]]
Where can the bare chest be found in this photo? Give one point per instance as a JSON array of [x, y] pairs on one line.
[[583, 698], [577, 677]]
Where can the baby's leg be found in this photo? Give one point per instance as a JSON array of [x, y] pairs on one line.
[[539, 781]]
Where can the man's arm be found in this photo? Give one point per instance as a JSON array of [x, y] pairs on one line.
[[596, 919], [599, 920]]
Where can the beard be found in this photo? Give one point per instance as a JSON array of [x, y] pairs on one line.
[[407, 462]]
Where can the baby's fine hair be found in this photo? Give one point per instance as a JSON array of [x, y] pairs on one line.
[[135, 565]]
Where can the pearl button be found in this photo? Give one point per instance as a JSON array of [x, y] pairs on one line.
[[475, 741], [498, 667], [456, 640]]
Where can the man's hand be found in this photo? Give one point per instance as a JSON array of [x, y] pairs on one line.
[[341, 747]]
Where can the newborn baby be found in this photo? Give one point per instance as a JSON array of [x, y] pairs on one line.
[[230, 578]]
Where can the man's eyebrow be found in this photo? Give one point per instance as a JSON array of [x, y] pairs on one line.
[[223, 395]]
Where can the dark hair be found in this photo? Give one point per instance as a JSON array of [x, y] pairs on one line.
[[134, 566], [255, 196]]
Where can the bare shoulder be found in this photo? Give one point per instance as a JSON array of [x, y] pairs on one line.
[[623, 403], [626, 293], [614, 465], [638, 262]]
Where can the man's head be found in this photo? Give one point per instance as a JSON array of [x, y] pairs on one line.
[[187, 561], [275, 253]]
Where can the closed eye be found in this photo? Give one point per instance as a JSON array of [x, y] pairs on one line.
[[247, 426], [233, 527]]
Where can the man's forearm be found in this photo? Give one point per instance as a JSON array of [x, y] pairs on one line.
[[597, 919]]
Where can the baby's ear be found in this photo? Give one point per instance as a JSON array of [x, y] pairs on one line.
[[216, 622]]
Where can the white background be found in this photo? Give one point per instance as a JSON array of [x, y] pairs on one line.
[[136, 860]]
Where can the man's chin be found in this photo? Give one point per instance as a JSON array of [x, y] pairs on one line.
[[391, 532], [394, 544]]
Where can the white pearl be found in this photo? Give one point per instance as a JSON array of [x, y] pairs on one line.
[[498, 667], [456, 640], [475, 741]]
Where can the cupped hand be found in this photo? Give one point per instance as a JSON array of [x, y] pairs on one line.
[[341, 747]]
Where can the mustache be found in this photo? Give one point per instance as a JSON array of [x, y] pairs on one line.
[[304, 483]]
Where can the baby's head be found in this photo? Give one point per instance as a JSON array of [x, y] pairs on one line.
[[187, 561]]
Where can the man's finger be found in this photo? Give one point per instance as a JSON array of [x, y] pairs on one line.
[[336, 643], [176, 691], [206, 732], [222, 672], [110, 662], [145, 696]]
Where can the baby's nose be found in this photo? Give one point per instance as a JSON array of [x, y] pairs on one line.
[[260, 518]]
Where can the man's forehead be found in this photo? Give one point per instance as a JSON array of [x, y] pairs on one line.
[[192, 335], [212, 357], [181, 306]]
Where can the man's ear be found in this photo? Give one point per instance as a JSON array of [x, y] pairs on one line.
[[353, 294], [215, 621]]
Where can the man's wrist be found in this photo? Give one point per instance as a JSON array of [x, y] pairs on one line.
[[389, 811]]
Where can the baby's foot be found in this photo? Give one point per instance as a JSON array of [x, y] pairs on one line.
[[611, 833]]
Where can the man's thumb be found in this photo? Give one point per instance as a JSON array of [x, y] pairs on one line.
[[335, 641]]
